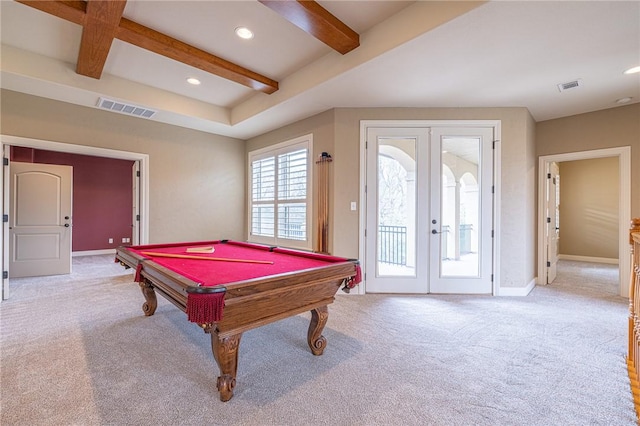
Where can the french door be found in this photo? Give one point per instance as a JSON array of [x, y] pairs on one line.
[[429, 210]]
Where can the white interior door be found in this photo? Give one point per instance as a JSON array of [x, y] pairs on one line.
[[553, 227], [40, 219], [429, 210], [461, 216]]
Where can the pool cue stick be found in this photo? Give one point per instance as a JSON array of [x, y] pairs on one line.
[[325, 176], [323, 202], [320, 200], [324, 207], [320, 206], [219, 259]]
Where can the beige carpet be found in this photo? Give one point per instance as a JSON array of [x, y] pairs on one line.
[[77, 350]]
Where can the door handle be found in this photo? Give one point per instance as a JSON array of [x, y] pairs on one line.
[[433, 231], [66, 225]]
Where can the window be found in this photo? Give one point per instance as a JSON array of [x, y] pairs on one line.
[[280, 201]]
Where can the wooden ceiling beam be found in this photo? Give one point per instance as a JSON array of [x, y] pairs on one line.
[[100, 26], [146, 38], [317, 21], [162, 44]]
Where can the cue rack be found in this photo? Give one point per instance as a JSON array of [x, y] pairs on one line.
[[323, 202]]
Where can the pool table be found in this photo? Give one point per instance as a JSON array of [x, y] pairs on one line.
[[229, 287]]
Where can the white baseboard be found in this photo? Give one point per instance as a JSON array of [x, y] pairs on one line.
[[591, 259], [93, 252], [517, 291]]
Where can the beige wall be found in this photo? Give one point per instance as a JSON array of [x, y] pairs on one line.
[[589, 207], [610, 128], [338, 132], [197, 181]]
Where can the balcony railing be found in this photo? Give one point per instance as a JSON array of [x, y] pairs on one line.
[[392, 245]]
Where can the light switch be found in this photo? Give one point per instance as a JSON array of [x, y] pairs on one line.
[[353, 206]]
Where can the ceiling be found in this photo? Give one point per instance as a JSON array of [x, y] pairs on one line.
[[400, 54]]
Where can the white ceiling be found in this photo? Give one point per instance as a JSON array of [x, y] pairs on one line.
[[411, 54]]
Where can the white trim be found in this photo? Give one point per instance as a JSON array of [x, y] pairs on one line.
[[6, 150], [518, 291], [590, 259], [93, 252], [497, 202], [624, 208], [497, 127]]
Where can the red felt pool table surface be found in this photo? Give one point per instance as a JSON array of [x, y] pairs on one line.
[[221, 272], [234, 293]]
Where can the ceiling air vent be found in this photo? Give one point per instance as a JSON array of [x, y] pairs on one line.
[[123, 108], [570, 85]]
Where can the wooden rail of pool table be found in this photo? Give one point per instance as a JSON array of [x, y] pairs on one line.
[[633, 358], [248, 304]]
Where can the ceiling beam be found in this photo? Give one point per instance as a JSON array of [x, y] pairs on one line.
[[147, 38], [317, 21], [162, 44], [100, 25]]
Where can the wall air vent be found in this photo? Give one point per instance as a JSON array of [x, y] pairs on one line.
[[123, 108], [570, 85]]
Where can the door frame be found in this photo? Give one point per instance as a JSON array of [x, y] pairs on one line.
[[143, 202], [624, 207], [497, 129]]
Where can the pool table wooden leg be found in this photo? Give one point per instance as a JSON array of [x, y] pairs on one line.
[[316, 340], [225, 352], [148, 307]]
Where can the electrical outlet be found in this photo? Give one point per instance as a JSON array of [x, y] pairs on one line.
[[124, 240], [110, 240]]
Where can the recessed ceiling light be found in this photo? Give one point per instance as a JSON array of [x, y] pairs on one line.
[[624, 100], [193, 80], [244, 32], [633, 70]]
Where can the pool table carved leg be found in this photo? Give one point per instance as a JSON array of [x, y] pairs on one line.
[[225, 352], [316, 340], [148, 307]]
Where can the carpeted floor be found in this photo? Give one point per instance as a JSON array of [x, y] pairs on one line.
[[77, 350]]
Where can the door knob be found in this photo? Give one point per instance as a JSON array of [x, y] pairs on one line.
[[66, 225]]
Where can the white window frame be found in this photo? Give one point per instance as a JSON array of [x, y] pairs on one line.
[[296, 144]]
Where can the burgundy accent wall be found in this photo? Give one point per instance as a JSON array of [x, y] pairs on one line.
[[102, 196]]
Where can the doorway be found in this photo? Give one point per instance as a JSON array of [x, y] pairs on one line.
[[623, 154], [142, 207], [429, 208]]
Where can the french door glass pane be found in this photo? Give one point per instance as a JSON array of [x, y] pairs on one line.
[[460, 206], [396, 241]]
